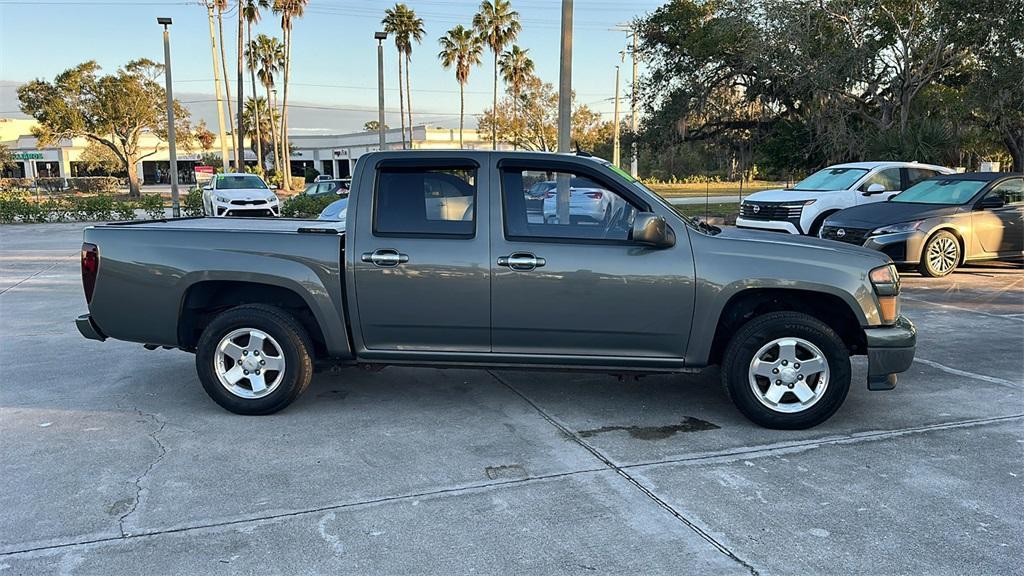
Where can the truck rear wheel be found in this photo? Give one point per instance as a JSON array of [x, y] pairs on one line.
[[786, 370], [254, 359]]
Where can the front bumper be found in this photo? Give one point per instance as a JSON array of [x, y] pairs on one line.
[[774, 225], [246, 208], [902, 247], [88, 328], [890, 351]]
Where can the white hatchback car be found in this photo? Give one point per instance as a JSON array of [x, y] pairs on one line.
[[236, 194], [803, 208]]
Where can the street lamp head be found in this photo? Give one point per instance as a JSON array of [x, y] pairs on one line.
[[164, 21], [380, 35]]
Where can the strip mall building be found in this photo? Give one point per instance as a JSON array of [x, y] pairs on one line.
[[331, 154]]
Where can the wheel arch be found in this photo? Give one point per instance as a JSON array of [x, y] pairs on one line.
[[203, 300], [946, 227], [753, 302]]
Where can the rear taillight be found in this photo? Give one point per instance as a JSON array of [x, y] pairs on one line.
[[90, 266], [595, 195]]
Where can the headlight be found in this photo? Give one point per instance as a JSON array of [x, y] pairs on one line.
[[896, 228], [801, 204], [221, 199], [886, 282], [272, 199]]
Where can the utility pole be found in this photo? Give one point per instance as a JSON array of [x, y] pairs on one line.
[[632, 114], [216, 83], [615, 124], [564, 110], [380, 37], [240, 147], [173, 161]]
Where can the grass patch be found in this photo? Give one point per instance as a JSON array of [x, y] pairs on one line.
[[727, 210], [713, 188]]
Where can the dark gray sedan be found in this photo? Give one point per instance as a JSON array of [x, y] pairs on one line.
[[940, 223]]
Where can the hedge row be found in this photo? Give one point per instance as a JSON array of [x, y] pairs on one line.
[[303, 206], [88, 184], [19, 206]]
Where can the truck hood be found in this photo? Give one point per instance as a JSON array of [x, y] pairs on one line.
[[879, 214], [827, 248], [246, 194], [780, 195]]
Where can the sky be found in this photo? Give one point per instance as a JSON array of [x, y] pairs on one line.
[[334, 62]]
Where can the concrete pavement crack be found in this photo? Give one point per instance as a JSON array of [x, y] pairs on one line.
[[303, 512], [703, 534], [37, 273], [138, 480]]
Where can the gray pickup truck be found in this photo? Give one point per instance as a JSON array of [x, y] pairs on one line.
[[500, 259]]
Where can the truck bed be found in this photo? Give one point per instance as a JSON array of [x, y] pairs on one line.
[[152, 272]]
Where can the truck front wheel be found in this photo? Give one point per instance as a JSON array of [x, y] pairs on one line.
[[786, 370], [254, 359]]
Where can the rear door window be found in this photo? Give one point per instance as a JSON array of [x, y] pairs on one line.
[[425, 201], [889, 178], [915, 175]]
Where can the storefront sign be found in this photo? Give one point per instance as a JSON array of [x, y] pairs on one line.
[[27, 155]]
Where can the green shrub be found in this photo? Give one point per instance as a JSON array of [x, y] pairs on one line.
[[153, 204], [93, 208], [92, 184], [124, 210], [193, 205], [56, 210], [303, 206], [12, 183]]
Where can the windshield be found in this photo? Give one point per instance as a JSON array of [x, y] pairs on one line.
[[239, 182], [940, 191], [830, 179]]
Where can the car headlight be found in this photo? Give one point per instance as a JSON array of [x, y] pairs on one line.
[[272, 199], [221, 199], [897, 228], [886, 282]]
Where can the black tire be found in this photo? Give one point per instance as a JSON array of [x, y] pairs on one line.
[[759, 332], [295, 348], [940, 239], [819, 222]]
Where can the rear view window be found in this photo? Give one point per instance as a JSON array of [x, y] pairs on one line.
[[425, 201]]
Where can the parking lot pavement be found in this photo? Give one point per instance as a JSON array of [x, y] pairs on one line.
[[115, 461]]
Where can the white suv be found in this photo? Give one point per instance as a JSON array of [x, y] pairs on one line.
[[239, 195], [802, 208]]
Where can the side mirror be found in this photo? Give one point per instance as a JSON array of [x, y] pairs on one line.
[[653, 230], [873, 189], [990, 202]]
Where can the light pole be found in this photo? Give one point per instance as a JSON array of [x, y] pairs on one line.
[[380, 37], [564, 111], [216, 87], [175, 205], [615, 123]]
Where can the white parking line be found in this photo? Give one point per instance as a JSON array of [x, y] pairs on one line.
[[966, 374], [1003, 316]]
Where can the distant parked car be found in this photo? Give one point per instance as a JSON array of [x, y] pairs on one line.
[[238, 194], [325, 186], [941, 222], [803, 208], [589, 202], [336, 211]]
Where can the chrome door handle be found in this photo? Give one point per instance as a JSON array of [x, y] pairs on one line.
[[385, 258], [521, 261]]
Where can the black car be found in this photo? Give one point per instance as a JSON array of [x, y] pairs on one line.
[[940, 223]]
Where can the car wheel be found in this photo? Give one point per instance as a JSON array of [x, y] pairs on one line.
[[940, 255], [254, 359], [786, 370], [819, 222]]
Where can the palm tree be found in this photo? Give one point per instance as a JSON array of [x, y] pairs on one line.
[[267, 54], [257, 121], [516, 68], [497, 24], [289, 10], [461, 48], [222, 6], [395, 24], [250, 10], [414, 31]]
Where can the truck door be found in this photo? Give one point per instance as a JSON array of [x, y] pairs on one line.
[[421, 274], [579, 285]]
